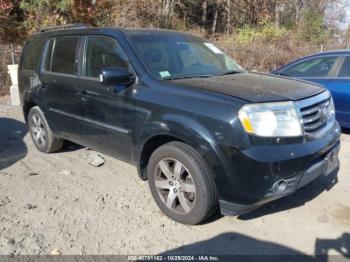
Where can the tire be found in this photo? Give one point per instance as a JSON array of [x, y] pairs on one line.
[[40, 132], [181, 184]]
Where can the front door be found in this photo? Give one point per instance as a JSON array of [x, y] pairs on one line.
[[109, 113]]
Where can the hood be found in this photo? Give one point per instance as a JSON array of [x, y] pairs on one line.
[[254, 87]]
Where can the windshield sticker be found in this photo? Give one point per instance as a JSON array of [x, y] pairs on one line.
[[213, 48], [164, 73]]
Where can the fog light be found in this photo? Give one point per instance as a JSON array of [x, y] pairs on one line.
[[280, 186]]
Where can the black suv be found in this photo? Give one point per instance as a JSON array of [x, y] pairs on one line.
[[204, 132]]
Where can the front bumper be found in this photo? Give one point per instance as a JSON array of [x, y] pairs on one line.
[[327, 166], [263, 173]]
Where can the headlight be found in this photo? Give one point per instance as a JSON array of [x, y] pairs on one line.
[[278, 119], [331, 110]]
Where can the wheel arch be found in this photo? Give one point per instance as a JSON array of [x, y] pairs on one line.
[[27, 105], [149, 147], [159, 133]]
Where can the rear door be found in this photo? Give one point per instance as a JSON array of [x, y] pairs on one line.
[[340, 89], [59, 78]]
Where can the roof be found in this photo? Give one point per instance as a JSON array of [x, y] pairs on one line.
[[329, 52], [86, 29], [325, 53]]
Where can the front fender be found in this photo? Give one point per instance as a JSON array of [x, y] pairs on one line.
[[181, 127], [192, 133]]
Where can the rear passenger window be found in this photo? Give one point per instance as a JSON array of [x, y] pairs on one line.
[[103, 52], [61, 55], [345, 68]]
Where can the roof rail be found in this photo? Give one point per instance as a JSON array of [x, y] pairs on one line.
[[61, 27]]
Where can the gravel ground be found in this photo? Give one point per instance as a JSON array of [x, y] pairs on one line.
[[60, 204]]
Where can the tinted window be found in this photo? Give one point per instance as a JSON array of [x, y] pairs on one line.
[[49, 55], [317, 67], [31, 54], [61, 55], [103, 52], [345, 69]]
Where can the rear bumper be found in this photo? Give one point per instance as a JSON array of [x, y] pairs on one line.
[[326, 165]]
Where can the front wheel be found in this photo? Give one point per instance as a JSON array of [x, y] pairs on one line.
[[181, 184]]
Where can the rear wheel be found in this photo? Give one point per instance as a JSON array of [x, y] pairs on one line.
[[181, 184], [42, 136]]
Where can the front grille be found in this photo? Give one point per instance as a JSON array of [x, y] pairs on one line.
[[316, 115]]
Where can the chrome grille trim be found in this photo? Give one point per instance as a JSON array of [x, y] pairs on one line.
[[315, 113], [311, 119], [309, 111]]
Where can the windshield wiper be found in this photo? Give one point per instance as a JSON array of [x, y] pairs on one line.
[[231, 72], [185, 77]]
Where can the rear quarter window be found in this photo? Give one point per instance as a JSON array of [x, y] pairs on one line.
[[31, 54]]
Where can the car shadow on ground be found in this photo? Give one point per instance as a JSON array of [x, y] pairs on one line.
[[12, 147], [69, 146], [228, 244], [345, 131], [299, 198]]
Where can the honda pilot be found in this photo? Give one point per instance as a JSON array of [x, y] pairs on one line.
[[204, 132]]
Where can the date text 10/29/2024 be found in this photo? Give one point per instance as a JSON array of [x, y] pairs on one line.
[[173, 258]]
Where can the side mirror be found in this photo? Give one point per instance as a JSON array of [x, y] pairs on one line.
[[116, 76]]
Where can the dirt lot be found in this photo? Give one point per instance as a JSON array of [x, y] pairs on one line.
[[108, 210]]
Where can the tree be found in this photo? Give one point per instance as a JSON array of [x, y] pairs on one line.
[[11, 21], [211, 16], [167, 11], [312, 27], [204, 13]]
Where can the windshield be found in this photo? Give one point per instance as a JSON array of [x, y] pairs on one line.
[[174, 56]]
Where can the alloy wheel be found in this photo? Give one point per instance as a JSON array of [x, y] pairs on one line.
[[175, 186], [38, 130]]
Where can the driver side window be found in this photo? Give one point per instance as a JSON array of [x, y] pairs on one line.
[[101, 52], [317, 67]]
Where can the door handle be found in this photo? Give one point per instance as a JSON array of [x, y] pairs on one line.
[[44, 86], [87, 93], [82, 95]]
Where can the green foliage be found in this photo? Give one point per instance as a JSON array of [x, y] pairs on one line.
[[64, 5], [30, 5], [46, 5], [265, 31], [40, 13], [312, 28]]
